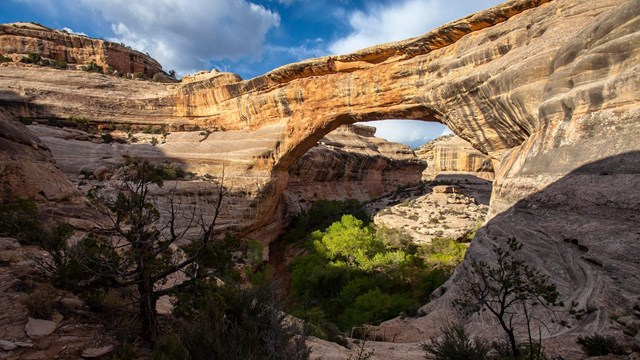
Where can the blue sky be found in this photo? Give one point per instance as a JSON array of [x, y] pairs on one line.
[[250, 37]]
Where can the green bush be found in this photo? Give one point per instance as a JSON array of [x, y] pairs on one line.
[[374, 307], [231, 323], [19, 218], [596, 345], [4, 59], [92, 67], [455, 344], [60, 64]]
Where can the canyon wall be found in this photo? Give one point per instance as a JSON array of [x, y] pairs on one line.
[[451, 154], [30, 38], [350, 163], [548, 89]]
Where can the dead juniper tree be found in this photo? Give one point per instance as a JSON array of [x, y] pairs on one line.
[[137, 248], [508, 289]]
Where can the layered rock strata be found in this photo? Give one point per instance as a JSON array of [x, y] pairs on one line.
[[548, 89], [350, 163], [30, 38], [451, 154], [28, 170]]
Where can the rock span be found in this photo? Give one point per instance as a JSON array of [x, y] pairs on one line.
[[548, 89]]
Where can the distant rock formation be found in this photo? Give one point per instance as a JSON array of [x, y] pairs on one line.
[[350, 163], [30, 38], [450, 153]]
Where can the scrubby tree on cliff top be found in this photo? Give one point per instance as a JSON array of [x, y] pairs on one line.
[[137, 249]]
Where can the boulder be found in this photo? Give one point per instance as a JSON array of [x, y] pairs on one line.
[[92, 353], [37, 328], [446, 189]]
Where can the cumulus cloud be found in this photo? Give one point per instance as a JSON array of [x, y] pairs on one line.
[[410, 132], [188, 35], [380, 23], [70, 31]]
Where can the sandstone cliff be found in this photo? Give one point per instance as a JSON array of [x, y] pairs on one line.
[[28, 170], [450, 153], [30, 38], [548, 89], [350, 163]]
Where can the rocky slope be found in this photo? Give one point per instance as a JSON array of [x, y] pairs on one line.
[[449, 154], [28, 170], [22, 39], [548, 89], [433, 210]]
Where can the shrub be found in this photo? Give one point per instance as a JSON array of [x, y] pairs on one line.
[[455, 344], [92, 67], [60, 64], [232, 323], [170, 348], [4, 59], [19, 218], [596, 345], [40, 304], [107, 138]]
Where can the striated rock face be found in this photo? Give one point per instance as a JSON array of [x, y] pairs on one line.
[[344, 165], [28, 170], [25, 38], [548, 89], [450, 153], [350, 163]]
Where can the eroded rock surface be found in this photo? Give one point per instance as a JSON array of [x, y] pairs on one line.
[[350, 163], [549, 90], [30, 38], [451, 154]]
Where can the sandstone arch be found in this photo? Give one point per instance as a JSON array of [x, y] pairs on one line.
[[543, 87], [535, 91]]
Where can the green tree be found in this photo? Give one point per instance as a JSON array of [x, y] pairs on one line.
[[136, 249], [507, 289]]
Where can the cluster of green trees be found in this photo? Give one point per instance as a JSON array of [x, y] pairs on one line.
[[355, 274]]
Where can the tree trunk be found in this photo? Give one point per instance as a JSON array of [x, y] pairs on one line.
[[514, 345], [148, 314], [512, 338]]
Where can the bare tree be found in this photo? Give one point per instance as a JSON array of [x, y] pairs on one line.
[[136, 248]]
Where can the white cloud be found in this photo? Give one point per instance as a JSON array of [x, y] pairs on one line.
[[410, 132], [70, 31], [400, 20], [186, 35]]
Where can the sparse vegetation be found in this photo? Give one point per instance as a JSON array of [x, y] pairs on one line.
[[40, 304], [4, 59], [597, 345], [19, 218], [455, 344]]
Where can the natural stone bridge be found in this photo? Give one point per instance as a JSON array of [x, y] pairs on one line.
[[549, 89]]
